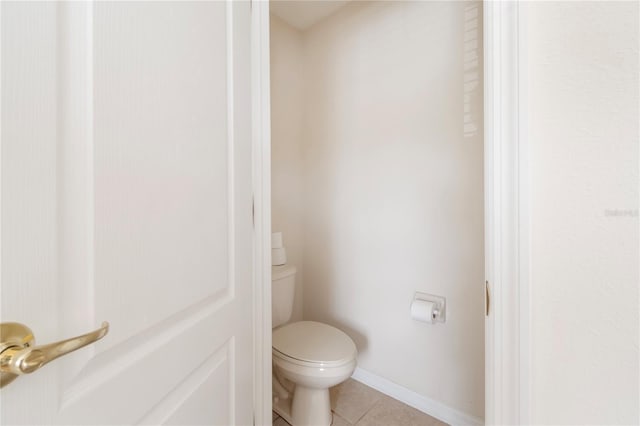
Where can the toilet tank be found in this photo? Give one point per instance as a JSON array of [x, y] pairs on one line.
[[283, 282]]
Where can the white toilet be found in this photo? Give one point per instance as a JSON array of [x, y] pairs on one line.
[[308, 358]]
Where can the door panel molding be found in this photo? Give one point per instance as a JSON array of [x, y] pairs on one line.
[[132, 352], [172, 402], [76, 208], [230, 147], [173, 358], [159, 188], [75, 144], [189, 332]]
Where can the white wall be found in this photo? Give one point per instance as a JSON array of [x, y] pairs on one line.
[[393, 163], [583, 102], [286, 145]]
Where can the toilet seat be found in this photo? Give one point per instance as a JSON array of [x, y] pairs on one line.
[[308, 364], [313, 344]]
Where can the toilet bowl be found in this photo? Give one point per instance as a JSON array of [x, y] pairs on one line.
[[314, 357], [308, 358]]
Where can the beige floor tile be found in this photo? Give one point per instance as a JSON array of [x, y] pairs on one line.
[[339, 421], [280, 422], [351, 400], [274, 416], [390, 412]]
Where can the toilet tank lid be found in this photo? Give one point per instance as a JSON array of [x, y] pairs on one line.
[[279, 272]]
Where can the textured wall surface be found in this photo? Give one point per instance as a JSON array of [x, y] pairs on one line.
[[583, 105], [286, 145], [393, 163]]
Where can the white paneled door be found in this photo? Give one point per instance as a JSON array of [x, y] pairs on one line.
[[126, 197]]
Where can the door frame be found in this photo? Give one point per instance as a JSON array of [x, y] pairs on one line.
[[261, 153], [508, 333], [507, 196]]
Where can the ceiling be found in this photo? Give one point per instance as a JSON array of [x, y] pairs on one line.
[[302, 14]]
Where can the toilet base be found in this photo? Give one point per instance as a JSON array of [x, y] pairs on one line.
[[282, 407], [311, 407]]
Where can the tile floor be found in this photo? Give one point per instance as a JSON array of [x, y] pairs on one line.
[[353, 404]]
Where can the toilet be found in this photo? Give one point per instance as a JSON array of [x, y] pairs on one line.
[[308, 358]]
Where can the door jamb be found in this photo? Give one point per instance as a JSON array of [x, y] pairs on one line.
[[507, 214], [261, 165], [508, 333]]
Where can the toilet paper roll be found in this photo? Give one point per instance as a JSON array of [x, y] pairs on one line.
[[276, 240], [422, 310], [278, 256]]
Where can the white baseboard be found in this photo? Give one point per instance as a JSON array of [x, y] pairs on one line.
[[419, 402]]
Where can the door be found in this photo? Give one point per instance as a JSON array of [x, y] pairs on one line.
[[126, 197]]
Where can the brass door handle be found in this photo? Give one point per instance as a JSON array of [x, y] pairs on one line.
[[19, 355]]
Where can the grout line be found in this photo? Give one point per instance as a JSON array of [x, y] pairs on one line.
[[274, 419], [370, 408], [343, 419]]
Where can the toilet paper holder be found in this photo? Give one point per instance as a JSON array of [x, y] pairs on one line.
[[440, 311]]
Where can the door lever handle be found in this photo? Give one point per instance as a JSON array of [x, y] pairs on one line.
[[19, 355]]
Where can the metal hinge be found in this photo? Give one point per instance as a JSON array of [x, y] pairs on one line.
[[487, 298]]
